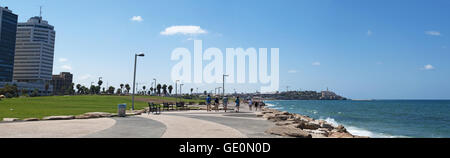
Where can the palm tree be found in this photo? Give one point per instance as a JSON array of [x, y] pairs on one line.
[[170, 89], [100, 82], [47, 86], [111, 90], [151, 89], [192, 89], [93, 89], [143, 87], [164, 87], [127, 86], [72, 89], [121, 88], [158, 88], [78, 88]]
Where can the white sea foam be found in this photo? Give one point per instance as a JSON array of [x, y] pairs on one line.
[[269, 105], [333, 122], [360, 131]]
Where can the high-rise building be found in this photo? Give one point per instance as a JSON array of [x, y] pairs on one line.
[[35, 44], [62, 83], [8, 28]]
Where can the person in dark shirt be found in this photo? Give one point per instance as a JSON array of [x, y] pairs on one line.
[[238, 103], [216, 104], [208, 103]]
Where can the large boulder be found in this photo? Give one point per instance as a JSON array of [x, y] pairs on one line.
[[277, 118], [340, 135], [269, 115], [302, 118], [82, 117], [308, 125], [31, 119], [326, 125], [98, 114], [59, 117], [341, 129], [10, 119], [284, 123], [317, 133], [288, 131]]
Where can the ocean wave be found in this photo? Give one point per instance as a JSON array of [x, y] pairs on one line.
[[272, 106], [363, 132], [360, 131]]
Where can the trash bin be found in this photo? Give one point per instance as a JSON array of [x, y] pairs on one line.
[[121, 110]]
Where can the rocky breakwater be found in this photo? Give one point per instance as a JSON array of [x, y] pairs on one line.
[[299, 126]]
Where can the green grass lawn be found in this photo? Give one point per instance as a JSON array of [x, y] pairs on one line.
[[38, 107]]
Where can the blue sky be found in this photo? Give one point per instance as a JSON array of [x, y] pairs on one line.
[[378, 49]]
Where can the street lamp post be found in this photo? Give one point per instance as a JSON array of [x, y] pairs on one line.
[[134, 78], [176, 90], [181, 92], [154, 79], [223, 86]]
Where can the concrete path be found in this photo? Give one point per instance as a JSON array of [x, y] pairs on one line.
[[177, 124], [246, 123], [54, 129], [184, 127], [131, 127]]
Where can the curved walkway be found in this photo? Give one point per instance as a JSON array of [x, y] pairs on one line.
[[132, 127], [176, 124], [245, 122], [185, 127], [54, 129]]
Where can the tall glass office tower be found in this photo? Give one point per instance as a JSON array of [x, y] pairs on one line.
[[34, 51], [8, 28]]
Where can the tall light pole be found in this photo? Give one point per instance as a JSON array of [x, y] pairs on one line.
[[134, 78], [154, 79], [176, 90], [181, 92], [223, 86]]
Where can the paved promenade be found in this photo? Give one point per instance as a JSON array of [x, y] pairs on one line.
[[176, 124]]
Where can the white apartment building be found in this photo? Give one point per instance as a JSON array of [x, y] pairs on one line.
[[35, 43]]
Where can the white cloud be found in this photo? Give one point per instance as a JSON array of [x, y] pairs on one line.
[[316, 63], [433, 33], [63, 60], [84, 77], [185, 30], [428, 67], [292, 71], [137, 18], [66, 67], [369, 33]]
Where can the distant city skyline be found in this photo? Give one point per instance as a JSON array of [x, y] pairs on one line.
[[359, 49]]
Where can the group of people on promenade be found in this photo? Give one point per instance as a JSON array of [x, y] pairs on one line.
[[237, 102]]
